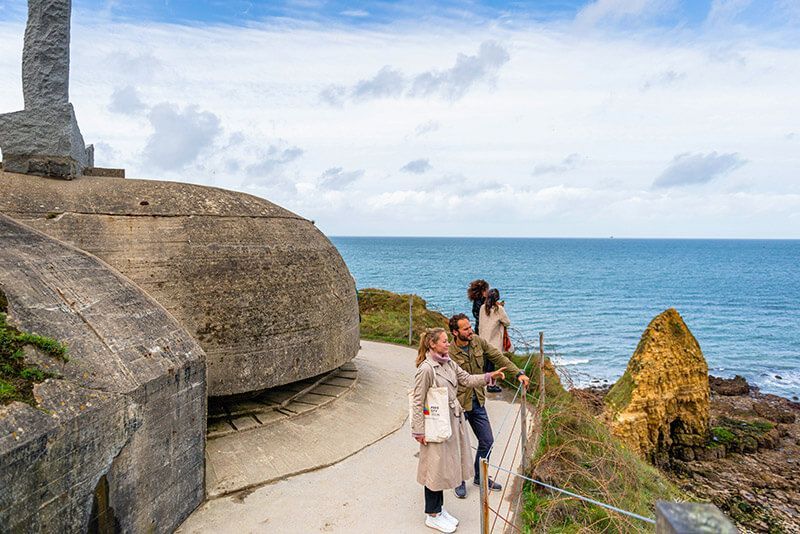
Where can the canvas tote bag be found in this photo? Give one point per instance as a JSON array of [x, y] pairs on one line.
[[436, 411]]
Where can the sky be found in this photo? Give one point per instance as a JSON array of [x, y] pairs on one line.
[[552, 118]]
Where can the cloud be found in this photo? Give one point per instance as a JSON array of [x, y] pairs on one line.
[[358, 13], [663, 79], [616, 11], [388, 82], [418, 166], [791, 136], [179, 136], [453, 83], [126, 100], [567, 164], [723, 11], [272, 163], [426, 127], [690, 169], [337, 178], [450, 84]]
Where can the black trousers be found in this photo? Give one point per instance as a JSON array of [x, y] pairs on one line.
[[433, 501]]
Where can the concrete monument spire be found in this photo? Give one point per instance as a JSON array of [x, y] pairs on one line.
[[44, 138]]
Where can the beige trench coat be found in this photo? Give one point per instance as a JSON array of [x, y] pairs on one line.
[[444, 465], [491, 326]]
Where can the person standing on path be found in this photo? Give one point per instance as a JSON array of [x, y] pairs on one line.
[[477, 293], [494, 320], [469, 352], [442, 465]]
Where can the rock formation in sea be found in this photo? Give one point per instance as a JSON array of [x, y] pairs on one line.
[[660, 406]]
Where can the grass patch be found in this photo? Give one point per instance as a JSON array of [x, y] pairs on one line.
[[577, 452], [17, 378], [384, 316]]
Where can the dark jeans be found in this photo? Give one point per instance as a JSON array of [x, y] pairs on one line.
[[479, 421], [433, 501], [488, 366]]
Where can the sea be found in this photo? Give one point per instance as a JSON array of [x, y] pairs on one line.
[[593, 298]]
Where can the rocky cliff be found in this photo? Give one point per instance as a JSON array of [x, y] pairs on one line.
[[660, 406]]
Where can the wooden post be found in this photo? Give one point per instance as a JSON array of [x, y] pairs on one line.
[[691, 518], [410, 320], [523, 420], [484, 496], [541, 367]]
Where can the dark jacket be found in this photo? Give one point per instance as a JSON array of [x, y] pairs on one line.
[[476, 310], [479, 350]]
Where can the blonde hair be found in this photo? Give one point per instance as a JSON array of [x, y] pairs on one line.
[[426, 341]]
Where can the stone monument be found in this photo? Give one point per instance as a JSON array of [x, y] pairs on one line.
[[44, 138]]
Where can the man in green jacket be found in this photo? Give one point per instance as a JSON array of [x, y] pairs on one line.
[[470, 351]]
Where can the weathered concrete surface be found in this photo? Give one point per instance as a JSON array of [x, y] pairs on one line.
[[374, 407], [44, 138], [263, 290], [374, 490], [130, 407]]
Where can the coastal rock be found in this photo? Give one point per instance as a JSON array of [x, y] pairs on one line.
[[729, 386], [662, 400]]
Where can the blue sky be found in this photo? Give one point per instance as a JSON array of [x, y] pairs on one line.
[[639, 118], [680, 13]]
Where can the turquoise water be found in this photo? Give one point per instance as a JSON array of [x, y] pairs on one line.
[[594, 297]]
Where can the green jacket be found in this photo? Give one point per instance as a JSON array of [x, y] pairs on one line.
[[479, 350]]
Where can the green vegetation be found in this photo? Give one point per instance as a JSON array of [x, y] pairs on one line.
[[384, 316], [576, 452], [16, 377], [620, 394]]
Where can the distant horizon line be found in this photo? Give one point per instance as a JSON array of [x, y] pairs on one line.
[[574, 237]]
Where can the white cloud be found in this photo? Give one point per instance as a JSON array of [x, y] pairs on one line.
[[426, 127], [358, 13], [246, 115], [723, 11], [691, 169], [622, 10], [179, 136], [453, 83], [126, 100], [450, 84], [567, 164], [417, 166], [336, 178]]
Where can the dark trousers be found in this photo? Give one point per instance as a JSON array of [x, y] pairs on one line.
[[433, 501], [479, 421]]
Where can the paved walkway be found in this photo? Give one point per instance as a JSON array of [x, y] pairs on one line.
[[373, 490]]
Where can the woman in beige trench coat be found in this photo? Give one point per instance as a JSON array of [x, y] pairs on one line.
[[442, 465]]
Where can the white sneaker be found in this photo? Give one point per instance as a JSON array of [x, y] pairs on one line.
[[439, 523], [449, 517]]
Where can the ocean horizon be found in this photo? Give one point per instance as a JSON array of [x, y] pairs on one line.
[[593, 297]]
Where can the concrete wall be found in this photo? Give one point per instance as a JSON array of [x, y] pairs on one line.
[[130, 406], [265, 293]]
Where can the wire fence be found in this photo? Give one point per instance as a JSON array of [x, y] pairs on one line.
[[517, 412]]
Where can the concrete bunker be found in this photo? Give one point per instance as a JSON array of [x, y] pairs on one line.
[[125, 421]]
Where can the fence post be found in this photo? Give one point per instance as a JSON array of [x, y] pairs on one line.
[[410, 320], [523, 420], [541, 367], [484, 465]]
